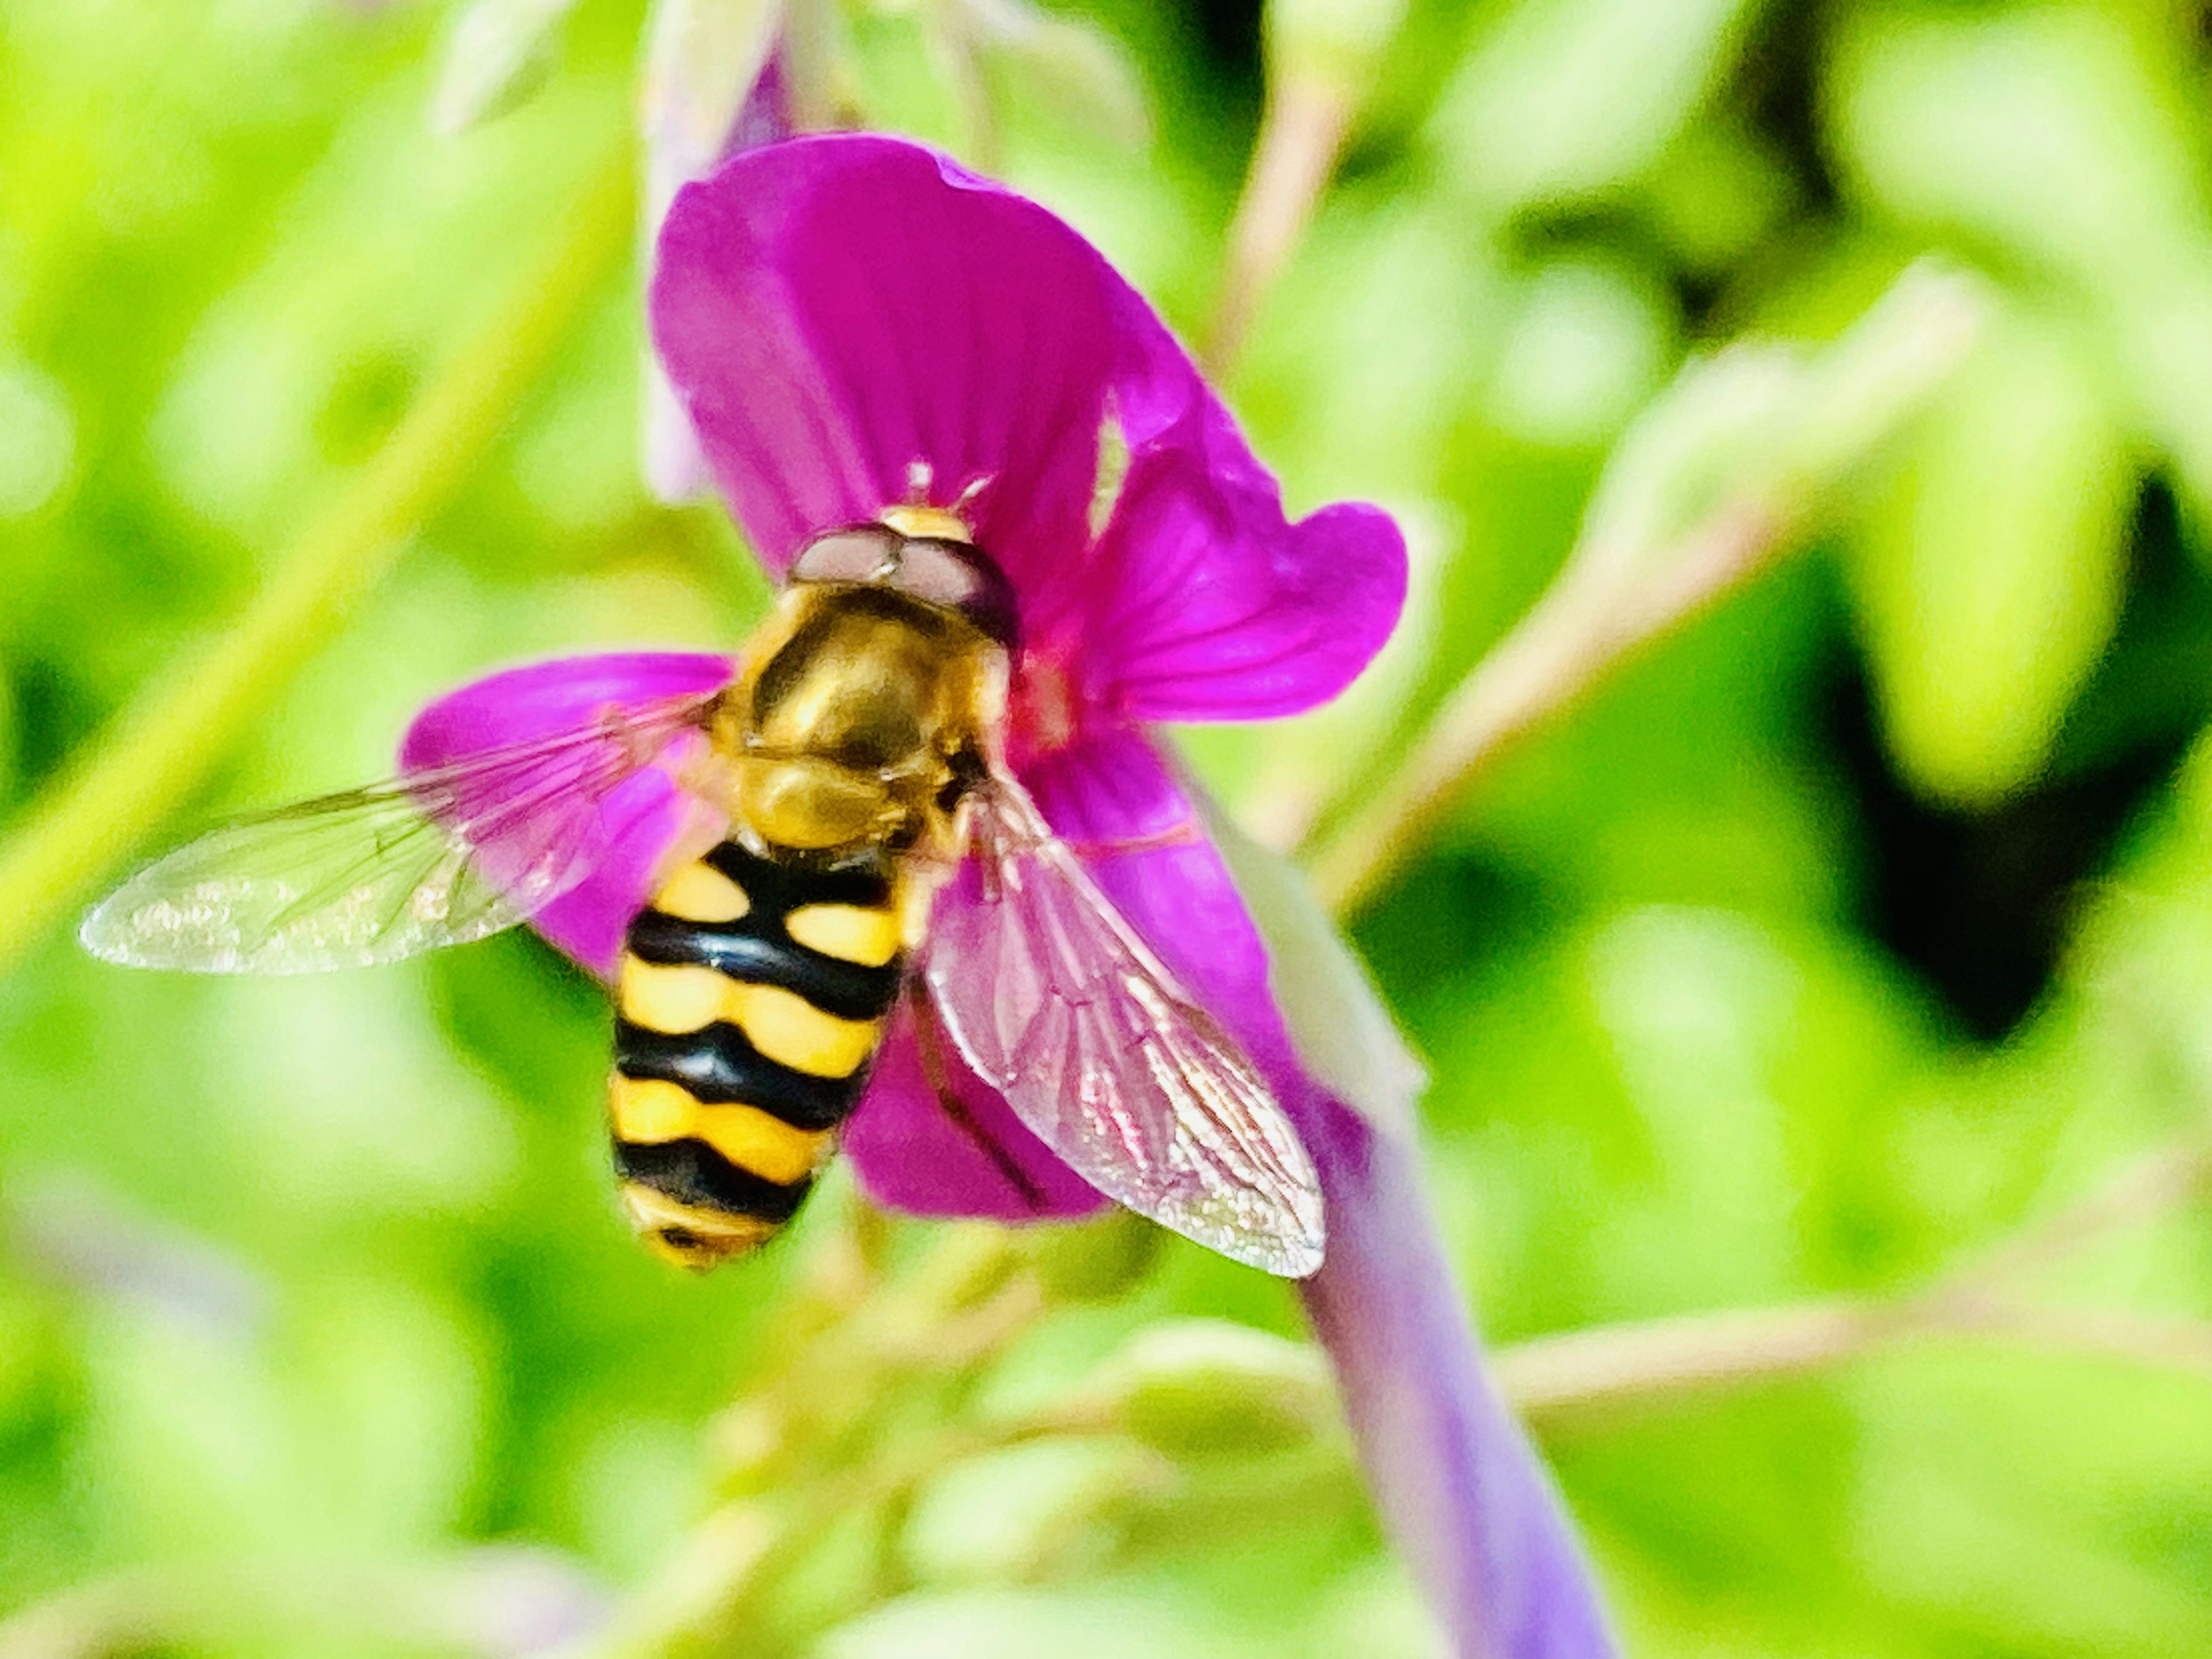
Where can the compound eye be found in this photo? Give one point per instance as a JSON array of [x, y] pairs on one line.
[[935, 572], [958, 577], [863, 553]]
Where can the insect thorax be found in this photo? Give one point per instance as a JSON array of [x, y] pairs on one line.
[[859, 718]]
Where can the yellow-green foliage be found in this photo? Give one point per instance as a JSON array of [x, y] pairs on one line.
[[1857, 923]]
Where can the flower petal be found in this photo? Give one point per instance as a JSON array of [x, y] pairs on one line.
[[1114, 799], [1345, 1039], [1221, 611], [910, 1154], [1460, 1489], [835, 310], [641, 818]]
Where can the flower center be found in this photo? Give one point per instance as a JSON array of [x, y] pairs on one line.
[[1044, 712]]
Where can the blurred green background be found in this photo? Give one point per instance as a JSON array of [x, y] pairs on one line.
[[1857, 925]]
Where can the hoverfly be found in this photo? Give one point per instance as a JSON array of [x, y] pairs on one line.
[[859, 839]]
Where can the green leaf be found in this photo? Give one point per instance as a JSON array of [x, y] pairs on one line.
[[2054, 132], [1076, 68], [498, 52], [1567, 98], [1020, 1624], [1988, 575], [2067, 141], [1206, 1387]]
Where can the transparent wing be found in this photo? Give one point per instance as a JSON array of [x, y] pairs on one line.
[[431, 858], [1057, 1004]]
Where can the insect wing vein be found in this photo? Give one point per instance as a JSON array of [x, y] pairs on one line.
[[435, 857], [1057, 1004]]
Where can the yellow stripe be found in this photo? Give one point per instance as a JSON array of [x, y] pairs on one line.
[[782, 1024], [671, 999], [702, 1238], [763, 1143], [698, 892], [792, 1032], [851, 932], [651, 1110]]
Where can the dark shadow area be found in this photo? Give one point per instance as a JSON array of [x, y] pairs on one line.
[[1456, 914], [1979, 902]]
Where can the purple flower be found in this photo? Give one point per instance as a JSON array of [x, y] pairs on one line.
[[850, 320]]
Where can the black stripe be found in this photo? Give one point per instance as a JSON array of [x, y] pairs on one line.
[[781, 886], [719, 1066], [756, 949], [692, 1172]]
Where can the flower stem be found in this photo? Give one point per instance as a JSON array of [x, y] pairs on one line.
[[440, 1604], [1563, 648], [1301, 135], [189, 716], [1559, 1378], [1780, 434], [721, 1588], [834, 1437], [813, 67]]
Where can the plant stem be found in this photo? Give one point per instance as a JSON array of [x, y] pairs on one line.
[[1541, 670], [164, 746], [824, 1430], [447, 1605], [720, 1589], [814, 69], [1558, 1378], [1785, 432], [1301, 133]]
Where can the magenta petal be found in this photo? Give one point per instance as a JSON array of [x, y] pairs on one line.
[[1461, 1490], [638, 821], [909, 1154], [1114, 799], [1221, 611], [1217, 607], [837, 310], [1454, 1475]]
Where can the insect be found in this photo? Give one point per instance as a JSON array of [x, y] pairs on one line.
[[856, 839]]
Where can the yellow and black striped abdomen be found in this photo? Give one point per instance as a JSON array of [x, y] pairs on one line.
[[751, 1003]]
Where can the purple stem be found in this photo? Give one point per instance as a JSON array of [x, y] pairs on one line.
[[1459, 1487]]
